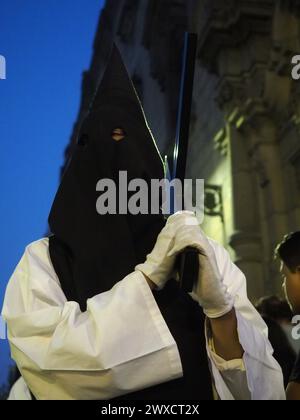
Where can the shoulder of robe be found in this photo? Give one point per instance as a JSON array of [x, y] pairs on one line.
[[42, 243], [33, 277], [38, 249], [36, 258]]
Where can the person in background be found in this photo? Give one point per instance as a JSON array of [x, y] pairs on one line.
[[276, 309], [279, 310], [288, 251], [278, 317]]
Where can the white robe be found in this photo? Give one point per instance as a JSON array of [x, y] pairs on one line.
[[121, 344], [19, 391]]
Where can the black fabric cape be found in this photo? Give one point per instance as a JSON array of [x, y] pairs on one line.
[[91, 253]]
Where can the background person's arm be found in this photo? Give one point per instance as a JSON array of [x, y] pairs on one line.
[[225, 337]]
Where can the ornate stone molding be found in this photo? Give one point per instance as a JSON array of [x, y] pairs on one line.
[[221, 141], [213, 205], [269, 30], [293, 6], [280, 60], [286, 42], [293, 122], [228, 24], [166, 22], [296, 163], [128, 19], [258, 128], [247, 246]]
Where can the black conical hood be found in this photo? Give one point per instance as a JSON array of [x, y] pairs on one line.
[[92, 252], [117, 85]]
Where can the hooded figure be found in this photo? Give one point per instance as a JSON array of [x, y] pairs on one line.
[[87, 247], [84, 318]]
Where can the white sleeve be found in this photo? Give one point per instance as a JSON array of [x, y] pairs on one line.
[[233, 372], [19, 391], [121, 344], [262, 372]]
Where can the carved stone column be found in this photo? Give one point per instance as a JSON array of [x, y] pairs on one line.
[[235, 44], [261, 132], [246, 236]]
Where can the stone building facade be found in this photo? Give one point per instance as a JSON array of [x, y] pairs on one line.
[[245, 126]]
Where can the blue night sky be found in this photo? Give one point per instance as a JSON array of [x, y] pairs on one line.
[[47, 44]]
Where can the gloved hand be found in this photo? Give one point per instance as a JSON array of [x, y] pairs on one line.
[[211, 292], [159, 266]]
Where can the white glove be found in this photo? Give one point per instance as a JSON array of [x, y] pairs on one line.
[[211, 292], [159, 266]]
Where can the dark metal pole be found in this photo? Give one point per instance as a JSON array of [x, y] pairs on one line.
[[188, 261], [185, 106]]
